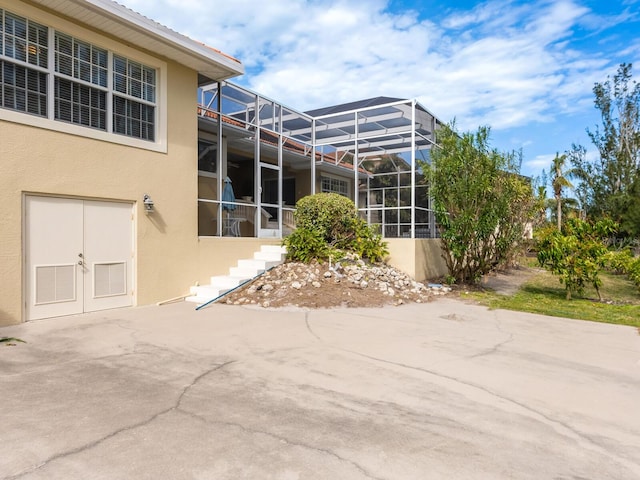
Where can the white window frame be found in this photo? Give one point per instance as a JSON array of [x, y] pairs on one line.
[[338, 179], [63, 26], [212, 139]]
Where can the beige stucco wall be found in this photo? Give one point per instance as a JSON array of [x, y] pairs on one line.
[[169, 255], [35, 160], [420, 258], [302, 181]]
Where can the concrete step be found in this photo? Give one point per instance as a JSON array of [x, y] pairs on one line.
[[270, 256], [258, 264], [208, 291], [204, 293], [228, 281], [245, 271], [273, 248]]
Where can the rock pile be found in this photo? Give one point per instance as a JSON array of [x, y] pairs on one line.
[[352, 282]]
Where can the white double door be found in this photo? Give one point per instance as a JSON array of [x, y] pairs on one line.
[[79, 256]]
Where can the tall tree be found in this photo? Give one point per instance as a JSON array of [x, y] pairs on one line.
[[585, 179], [559, 182], [482, 204], [618, 141], [612, 179]]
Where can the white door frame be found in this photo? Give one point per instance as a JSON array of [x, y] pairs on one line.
[[269, 232], [83, 284]]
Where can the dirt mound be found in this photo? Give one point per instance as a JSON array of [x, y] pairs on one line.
[[351, 283]]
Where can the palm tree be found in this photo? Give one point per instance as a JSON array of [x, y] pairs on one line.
[[559, 180], [541, 204], [570, 208]]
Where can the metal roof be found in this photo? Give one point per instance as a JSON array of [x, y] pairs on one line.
[[118, 21], [374, 126], [380, 125], [345, 107]]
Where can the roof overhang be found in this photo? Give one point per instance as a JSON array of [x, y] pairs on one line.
[[131, 27], [346, 171]]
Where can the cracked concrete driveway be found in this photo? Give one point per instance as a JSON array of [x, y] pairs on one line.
[[444, 390]]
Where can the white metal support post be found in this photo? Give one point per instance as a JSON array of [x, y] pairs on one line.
[[219, 157], [257, 171], [313, 156], [432, 213], [368, 206], [356, 162], [413, 169], [398, 207], [280, 179]]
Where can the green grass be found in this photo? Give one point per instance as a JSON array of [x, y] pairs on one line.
[[544, 294]]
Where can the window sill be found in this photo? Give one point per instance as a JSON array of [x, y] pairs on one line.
[[80, 131]]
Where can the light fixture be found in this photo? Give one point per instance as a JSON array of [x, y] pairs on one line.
[[148, 203]]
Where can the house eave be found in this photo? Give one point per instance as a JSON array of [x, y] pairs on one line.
[[135, 29]]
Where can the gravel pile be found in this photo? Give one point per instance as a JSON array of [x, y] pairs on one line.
[[351, 282]]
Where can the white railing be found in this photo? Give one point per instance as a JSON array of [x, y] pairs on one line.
[[288, 218], [239, 221], [390, 222]]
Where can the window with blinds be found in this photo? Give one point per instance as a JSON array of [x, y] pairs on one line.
[[134, 98], [23, 62], [78, 80]]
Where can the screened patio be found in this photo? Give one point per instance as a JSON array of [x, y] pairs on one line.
[[272, 155]]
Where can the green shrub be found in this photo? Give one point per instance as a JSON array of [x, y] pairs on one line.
[[327, 225], [618, 261], [331, 215], [576, 254], [623, 262], [367, 243], [305, 245], [633, 271]]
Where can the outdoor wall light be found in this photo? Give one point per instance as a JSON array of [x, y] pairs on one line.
[[148, 204]]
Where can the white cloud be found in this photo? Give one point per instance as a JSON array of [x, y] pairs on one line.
[[592, 155], [501, 64], [540, 162], [543, 162]]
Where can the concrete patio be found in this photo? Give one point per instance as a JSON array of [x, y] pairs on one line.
[[445, 390]]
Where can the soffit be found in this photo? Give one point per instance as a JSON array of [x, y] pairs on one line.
[[130, 27]]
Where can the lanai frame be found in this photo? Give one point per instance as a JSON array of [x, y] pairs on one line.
[[370, 140]]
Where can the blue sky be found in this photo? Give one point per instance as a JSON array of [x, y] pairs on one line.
[[525, 68]]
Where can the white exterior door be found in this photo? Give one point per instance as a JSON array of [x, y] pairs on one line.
[[54, 241], [79, 256], [108, 255]]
